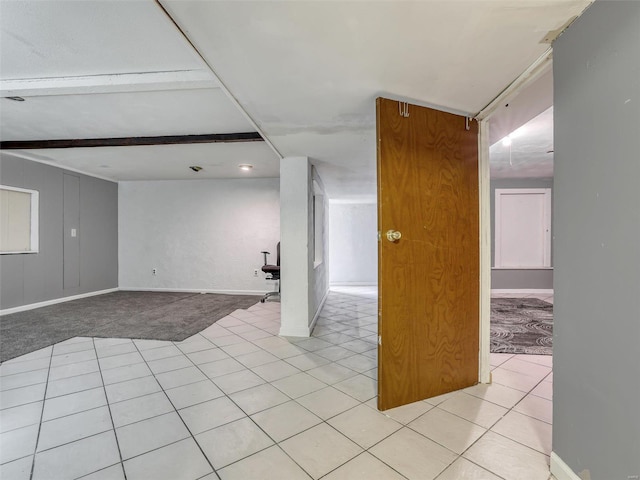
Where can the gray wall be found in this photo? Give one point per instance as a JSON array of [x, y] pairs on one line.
[[92, 206], [596, 419], [519, 278]]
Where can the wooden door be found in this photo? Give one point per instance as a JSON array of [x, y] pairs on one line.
[[429, 278]]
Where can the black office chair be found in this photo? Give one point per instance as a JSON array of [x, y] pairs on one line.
[[273, 271]]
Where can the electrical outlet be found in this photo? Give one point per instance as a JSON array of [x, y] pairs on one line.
[[154, 271], [255, 272]]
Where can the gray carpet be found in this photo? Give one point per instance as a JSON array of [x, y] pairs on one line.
[[148, 315], [521, 325]]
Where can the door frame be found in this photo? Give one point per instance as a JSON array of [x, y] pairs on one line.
[[484, 190], [538, 68]]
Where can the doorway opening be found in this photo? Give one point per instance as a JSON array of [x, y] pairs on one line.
[[521, 305]]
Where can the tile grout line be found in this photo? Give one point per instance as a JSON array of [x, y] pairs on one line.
[[275, 443], [44, 399], [103, 386], [526, 394], [474, 463], [364, 450], [295, 400], [176, 410], [458, 456], [247, 416], [490, 428], [22, 373], [113, 425], [361, 403]]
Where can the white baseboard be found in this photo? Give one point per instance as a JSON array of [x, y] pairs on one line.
[[561, 470], [353, 284], [315, 317], [294, 332], [196, 290], [527, 291], [31, 306]]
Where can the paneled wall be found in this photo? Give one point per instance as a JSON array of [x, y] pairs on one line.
[[65, 265]]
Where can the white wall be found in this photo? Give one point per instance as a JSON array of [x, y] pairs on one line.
[[296, 307], [304, 285], [353, 244], [202, 235]]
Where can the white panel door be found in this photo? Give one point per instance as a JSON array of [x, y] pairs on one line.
[[523, 228]]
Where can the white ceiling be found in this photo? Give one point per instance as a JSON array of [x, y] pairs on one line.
[[530, 154], [123, 114], [165, 162], [307, 73], [71, 38]]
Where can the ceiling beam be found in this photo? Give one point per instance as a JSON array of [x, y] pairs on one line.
[[167, 11], [132, 141], [112, 83]]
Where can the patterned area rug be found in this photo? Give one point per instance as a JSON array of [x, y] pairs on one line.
[[521, 325]]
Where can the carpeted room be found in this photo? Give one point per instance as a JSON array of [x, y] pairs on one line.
[[137, 315], [149, 248]]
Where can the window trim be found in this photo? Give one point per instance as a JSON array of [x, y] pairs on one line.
[[34, 240], [318, 229]]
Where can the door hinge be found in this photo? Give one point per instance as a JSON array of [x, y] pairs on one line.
[[379, 339], [379, 236]]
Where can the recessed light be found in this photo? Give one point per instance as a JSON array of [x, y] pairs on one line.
[[245, 166], [15, 99], [195, 168]]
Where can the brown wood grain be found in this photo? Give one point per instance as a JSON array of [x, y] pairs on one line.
[[429, 279]]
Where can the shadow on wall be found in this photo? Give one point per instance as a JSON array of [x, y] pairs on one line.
[[353, 246]]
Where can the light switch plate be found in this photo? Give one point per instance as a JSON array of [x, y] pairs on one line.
[[74, 232]]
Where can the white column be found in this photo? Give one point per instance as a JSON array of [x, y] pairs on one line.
[[295, 268]]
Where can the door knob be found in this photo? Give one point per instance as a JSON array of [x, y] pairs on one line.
[[393, 235]]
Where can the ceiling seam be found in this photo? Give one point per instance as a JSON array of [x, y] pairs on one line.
[[109, 83], [223, 86]]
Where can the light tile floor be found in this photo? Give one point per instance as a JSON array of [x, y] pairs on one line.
[[238, 402]]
